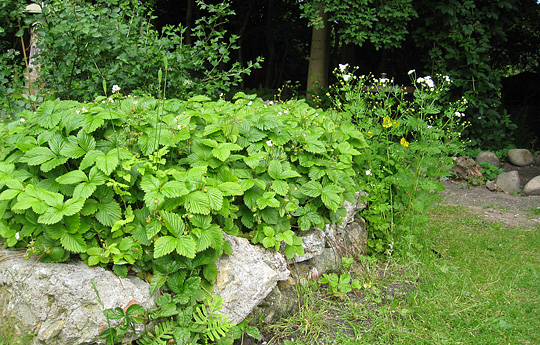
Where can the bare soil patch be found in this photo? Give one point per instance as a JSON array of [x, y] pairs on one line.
[[513, 210]]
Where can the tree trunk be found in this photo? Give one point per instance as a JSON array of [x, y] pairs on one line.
[[319, 56]]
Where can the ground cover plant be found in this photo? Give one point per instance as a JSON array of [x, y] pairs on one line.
[[149, 186]]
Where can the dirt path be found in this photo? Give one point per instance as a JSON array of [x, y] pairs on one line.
[[513, 210]]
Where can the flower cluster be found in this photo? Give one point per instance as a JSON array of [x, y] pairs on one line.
[[426, 81]]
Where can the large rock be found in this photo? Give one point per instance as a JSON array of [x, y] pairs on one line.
[[58, 303], [489, 157], [247, 276], [509, 182], [313, 242], [532, 187], [520, 157]]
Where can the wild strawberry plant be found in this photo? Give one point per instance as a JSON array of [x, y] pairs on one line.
[[152, 185]]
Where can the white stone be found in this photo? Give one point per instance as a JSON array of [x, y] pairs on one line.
[[520, 157], [532, 187], [245, 278], [509, 182], [56, 301], [489, 157]]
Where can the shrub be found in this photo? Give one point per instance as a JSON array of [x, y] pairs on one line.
[[86, 42]]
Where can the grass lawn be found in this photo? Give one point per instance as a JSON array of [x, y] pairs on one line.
[[477, 283]]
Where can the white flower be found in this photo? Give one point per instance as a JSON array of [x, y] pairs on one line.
[[429, 82], [269, 143], [279, 113], [250, 103], [346, 77], [285, 111], [180, 127], [84, 110], [17, 236], [111, 100], [115, 88], [447, 78], [411, 72], [428, 127], [368, 172], [420, 80], [22, 119], [135, 102], [479, 117], [342, 67], [458, 114]]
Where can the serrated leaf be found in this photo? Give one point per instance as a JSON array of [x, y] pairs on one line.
[[157, 281], [84, 189], [90, 207], [312, 189], [215, 196], [108, 213], [73, 205], [173, 222], [107, 162], [174, 189], [315, 146], [186, 246], [51, 216], [38, 156], [72, 177], [73, 242], [210, 272], [92, 121], [280, 187], [197, 202], [153, 228], [230, 188], [164, 245], [89, 159]]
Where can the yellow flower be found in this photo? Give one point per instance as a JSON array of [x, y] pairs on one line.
[[404, 142], [370, 133], [387, 122]]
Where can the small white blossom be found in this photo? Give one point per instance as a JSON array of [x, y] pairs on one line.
[[343, 67], [420, 80], [22, 119], [411, 72], [428, 127], [279, 113], [346, 77], [368, 172], [479, 117], [285, 111], [447, 79], [115, 88], [135, 102], [180, 127], [17, 236], [84, 110], [269, 143], [78, 111], [250, 103]]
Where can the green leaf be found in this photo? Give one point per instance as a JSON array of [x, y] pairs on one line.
[[73, 242], [280, 187], [186, 246], [107, 162], [38, 156], [157, 281], [223, 150], [92, 121], [210, 272], [73, 205], [164, 245], [215, 197], [174, 189], [231, 188], [108, 213], [312, 189], [173, 222], [331, 198], [197, 202], [72, 177]]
